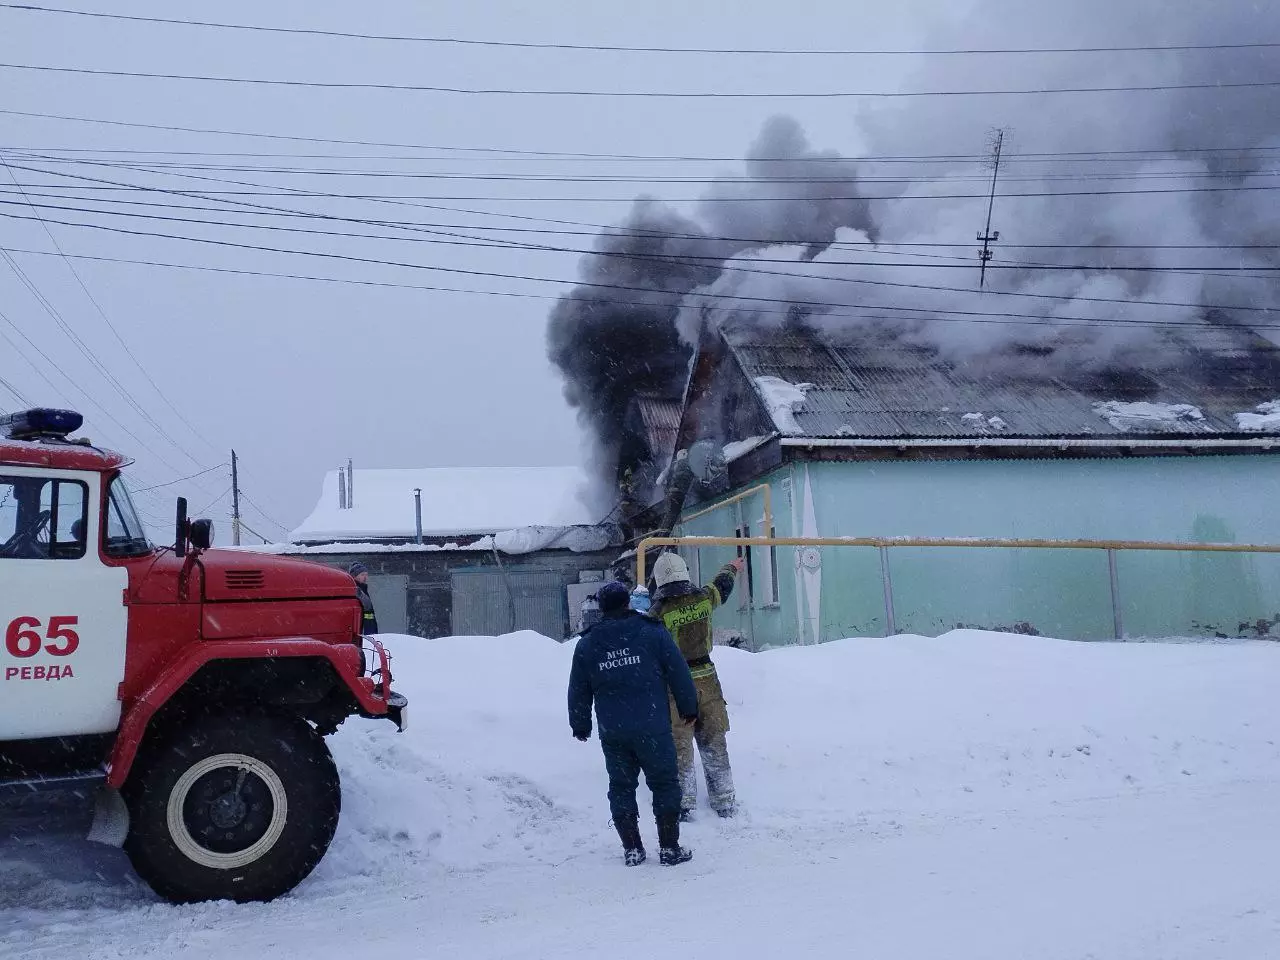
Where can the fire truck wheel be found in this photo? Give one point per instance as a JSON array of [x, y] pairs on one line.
[[238, 806]]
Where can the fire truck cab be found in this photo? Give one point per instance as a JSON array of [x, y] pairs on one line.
[[190, 688]]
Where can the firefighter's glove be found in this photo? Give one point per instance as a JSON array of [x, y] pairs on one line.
[[579, 735], [690, 720]]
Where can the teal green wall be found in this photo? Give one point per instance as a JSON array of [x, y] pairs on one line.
[[1057, 593]]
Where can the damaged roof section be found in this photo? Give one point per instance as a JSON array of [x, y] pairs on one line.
[[814, 385]]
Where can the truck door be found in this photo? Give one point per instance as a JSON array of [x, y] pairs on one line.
[[63, 620]]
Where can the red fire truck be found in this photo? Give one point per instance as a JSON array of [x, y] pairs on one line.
[[190, 688]]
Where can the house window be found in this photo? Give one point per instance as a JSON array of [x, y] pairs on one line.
[[769, 574], [768, 570], [748, 589]]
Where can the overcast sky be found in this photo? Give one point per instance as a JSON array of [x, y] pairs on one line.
[[300, 375]]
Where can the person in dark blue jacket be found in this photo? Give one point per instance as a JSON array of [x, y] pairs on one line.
[[626, 664]]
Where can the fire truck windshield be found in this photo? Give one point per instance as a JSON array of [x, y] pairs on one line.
[[126, 537]]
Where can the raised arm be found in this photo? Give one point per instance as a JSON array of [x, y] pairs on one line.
[[720, 588]]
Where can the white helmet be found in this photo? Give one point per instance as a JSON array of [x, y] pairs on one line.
[[670, 568]]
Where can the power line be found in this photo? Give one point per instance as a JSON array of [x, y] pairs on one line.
[[94, 362], [193, 476], [852, 178], [640, 289], [614, 48], [216, 500], [246, 526], [415, 226], [17, 348], [5, 253], [105, 319], [73, 154], [644, 94], [262, 513], [588, 284], [708, 259], [621, 231], [733, 302], [556, 154], [754, 198], [14, 390], [488, 242]]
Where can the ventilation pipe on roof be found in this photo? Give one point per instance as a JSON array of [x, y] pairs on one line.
[[351, 495], [342, 489], [417, 514]]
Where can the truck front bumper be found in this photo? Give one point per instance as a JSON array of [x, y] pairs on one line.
[[398, 711], [393, 706]]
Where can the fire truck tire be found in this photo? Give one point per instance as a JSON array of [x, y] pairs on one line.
[[236, 806]]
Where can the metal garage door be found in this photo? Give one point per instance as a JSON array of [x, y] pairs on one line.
[[390, 596], [481, 606]]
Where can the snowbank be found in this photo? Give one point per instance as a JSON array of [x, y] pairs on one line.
[[970, 797], [489, 773]]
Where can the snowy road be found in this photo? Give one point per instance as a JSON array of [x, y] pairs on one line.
[[967, 797]]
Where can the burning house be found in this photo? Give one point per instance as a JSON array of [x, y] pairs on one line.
[[1113, 375], [854, 439]]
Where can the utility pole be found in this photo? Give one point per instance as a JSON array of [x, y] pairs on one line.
[[235, 500], [987, 237]]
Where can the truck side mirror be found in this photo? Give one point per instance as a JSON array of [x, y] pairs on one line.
[[201, 534], [180, 529]]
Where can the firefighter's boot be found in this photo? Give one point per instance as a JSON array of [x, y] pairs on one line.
[[632, 846], [671, 853]]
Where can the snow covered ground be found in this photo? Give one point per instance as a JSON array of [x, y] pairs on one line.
[[972, 796]]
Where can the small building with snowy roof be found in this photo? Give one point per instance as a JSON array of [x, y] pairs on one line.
[[463, 550], [859, 438]]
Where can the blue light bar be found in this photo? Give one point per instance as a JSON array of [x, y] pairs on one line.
[[41, 422]]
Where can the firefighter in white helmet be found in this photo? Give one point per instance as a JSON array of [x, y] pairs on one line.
[[686, 612]]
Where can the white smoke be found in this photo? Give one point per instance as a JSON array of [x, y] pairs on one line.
[[1227, 200]]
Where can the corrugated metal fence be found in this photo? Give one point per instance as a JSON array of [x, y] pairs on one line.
[[482, 606]]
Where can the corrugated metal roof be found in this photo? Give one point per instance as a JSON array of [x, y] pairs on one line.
[[661, 419], [862, 389]]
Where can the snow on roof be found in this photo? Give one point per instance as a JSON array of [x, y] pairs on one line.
[[455, 501], [1140, 414], [1267, 418], [740, 448], [820, 382], [783, 400]]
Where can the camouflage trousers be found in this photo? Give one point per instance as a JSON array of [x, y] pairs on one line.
[[710, 735]]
